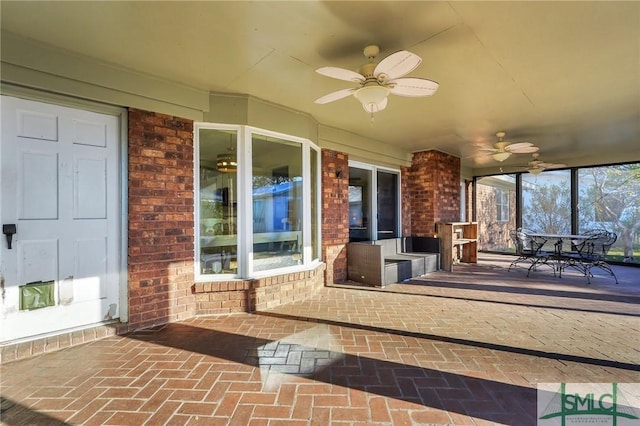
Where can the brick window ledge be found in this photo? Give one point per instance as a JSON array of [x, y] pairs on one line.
[[250, 295]]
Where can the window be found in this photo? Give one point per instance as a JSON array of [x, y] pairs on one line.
[[609, 198], [257, 198], [359, 202], [387, 205], [218, 201], [566, 202], [277, 202], [546, 205], [495, 197], [373, 193], [502, 205]]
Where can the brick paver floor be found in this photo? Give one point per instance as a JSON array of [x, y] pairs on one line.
[[468, 347]]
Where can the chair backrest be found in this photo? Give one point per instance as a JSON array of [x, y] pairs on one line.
[[603, 243], [524, 243], [597, 246], [513, 234], [537, 242], [594, 231]]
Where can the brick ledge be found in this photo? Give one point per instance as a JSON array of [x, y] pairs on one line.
[[222, 297]]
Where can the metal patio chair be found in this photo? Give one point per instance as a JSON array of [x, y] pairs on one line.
[[529, 249], [591, 253]]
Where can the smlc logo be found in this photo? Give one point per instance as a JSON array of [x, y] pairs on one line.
[[587, 404]]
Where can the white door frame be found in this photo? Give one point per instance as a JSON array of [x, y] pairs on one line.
[[122, 114]]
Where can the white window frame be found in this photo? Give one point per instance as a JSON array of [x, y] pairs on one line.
[[504, 207], [245, 203]]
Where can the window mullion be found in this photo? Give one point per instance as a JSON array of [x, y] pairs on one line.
[[245, 209], [305, 250]]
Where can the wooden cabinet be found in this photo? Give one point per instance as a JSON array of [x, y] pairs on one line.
[[459, 243]]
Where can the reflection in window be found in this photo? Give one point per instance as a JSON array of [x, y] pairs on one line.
[[387, 205], [359, 223], [496, 197], [218, 202], [374, 198], [254, 214], [355, 206], [277, 202]]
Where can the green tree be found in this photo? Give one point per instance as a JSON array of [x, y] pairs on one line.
[[611, 199], [549, 209]]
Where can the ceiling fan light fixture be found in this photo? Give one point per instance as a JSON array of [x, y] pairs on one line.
[[535, 170], [227, 162], [501, 156], [371, 95]]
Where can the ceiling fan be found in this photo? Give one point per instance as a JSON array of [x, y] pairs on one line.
[[537, 166], [503, 149], [376, 81]]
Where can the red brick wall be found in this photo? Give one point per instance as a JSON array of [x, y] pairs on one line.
[[161, 235], [223, 297], [434, 187], [161, 204], [335, 214]]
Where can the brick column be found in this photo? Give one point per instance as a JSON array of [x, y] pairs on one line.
[[468, 197], [161, 215], [335, 214], [434, 187]]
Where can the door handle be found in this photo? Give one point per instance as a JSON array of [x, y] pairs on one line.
[[8, 230]]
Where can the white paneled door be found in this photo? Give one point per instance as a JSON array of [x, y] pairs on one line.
[[59, 186]]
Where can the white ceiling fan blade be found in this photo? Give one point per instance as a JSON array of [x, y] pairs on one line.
[[519, 145], [334, 96], [371, 108], [413, 87], [397, 65], [525, 150], [521, 148], [341, 74]]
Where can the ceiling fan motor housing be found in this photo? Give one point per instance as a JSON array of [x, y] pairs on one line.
[[371, 51], [367, 70]]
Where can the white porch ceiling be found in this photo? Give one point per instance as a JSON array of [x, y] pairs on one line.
[[563, 75]]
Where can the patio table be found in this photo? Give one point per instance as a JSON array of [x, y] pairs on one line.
[[560, 255]]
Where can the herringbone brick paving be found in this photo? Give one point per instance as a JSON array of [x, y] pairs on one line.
[[467, 347]]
